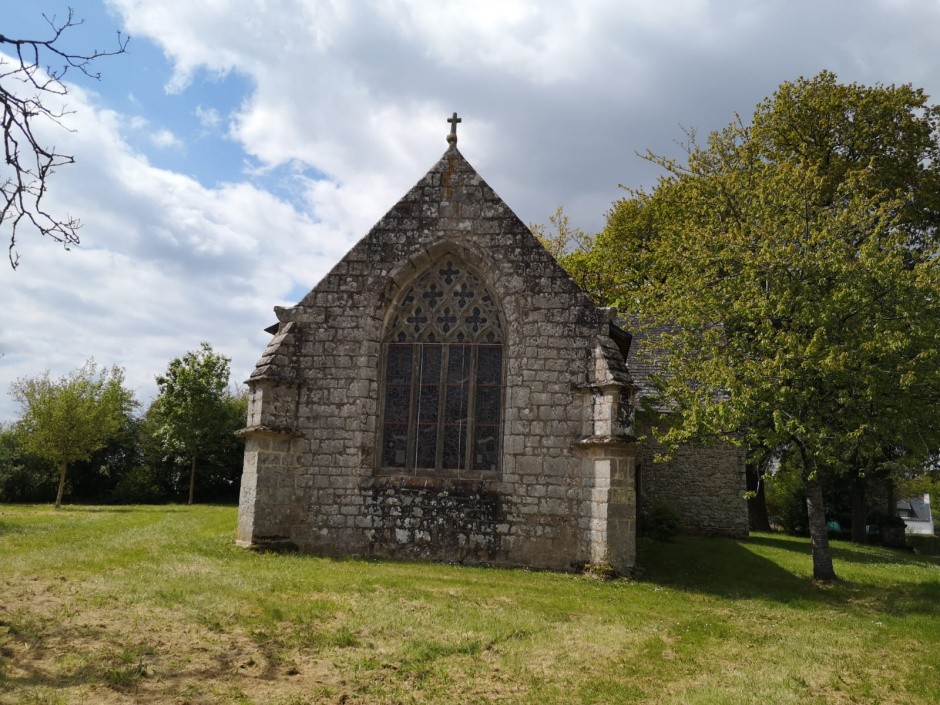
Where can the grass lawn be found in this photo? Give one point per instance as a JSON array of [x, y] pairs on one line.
[[156, 605]]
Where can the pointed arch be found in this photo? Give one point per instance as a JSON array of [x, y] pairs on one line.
[[443, 374]]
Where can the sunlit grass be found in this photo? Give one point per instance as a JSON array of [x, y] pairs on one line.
[[156, 604]]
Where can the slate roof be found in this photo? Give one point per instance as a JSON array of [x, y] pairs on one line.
[[643, 360], [914, 509]]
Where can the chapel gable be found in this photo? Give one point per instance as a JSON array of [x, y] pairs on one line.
[[445, 392]]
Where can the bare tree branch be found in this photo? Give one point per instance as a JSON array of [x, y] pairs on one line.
[[26, 88]]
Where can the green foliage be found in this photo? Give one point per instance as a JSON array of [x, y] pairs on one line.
[[561, 238], [573, 248], [95, 479], [127, 470], [23, 477], [790, 271], [67, 420], [194, 419], [660, 522], [140, 485], [786, 501], [795, 260], [131, 460]]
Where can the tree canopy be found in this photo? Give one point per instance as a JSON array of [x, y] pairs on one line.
[[789, 268], [66, 420], [195, 414]]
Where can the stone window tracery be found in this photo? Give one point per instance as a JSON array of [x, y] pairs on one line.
[[444, 376]]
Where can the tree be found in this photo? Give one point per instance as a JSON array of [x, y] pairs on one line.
[[29, 90], [574, 249], [23, 477], [195, 413], [791, 269], [66, 420], [95, 479]]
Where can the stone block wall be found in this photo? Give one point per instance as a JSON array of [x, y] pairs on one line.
[[268, 487], [611, 516], [705, 485]]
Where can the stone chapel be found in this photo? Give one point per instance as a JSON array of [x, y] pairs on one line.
[[447, 392]]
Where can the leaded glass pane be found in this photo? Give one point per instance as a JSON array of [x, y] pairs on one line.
[[477, 319], [459, 364], [426, 446], [487, 405], [398, 370], [455, 446], [446, 303], [446, 320], [455, 408], [490, 364], [428, 403], [485, 447], [397, 403], [431, 364], [395, 445], [433, 295]]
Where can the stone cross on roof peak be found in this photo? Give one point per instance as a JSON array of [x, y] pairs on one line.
[[452, 137]]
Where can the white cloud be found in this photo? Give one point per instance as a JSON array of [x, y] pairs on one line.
[[164, 264], [209, 118], [563, 92], [165, 139], [556, 98]]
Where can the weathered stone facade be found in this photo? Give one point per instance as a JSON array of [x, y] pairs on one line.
[[703, 484], [522, 453]]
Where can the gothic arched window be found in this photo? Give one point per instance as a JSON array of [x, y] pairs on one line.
[[444, 375]]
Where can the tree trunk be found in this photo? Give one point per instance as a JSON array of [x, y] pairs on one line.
[[816, 514], [892, 508], [859, 512], [756, 503], [58, 496], [192, 480]]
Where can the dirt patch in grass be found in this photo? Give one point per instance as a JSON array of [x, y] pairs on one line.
[[55, 650], [140, 655]]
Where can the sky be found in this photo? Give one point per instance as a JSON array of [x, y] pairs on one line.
[[239, 148]]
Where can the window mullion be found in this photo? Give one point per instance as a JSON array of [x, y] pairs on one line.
[[471, 409], [413, 407], [441, 403]]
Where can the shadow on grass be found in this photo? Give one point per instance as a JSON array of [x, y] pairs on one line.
[[136, 508], [841, 550], [729, 569]]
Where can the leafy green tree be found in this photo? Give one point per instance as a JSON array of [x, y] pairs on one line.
[[64, 421], [790, 270], [23, 477], [195, 415], [574, 250], [95, 479]]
